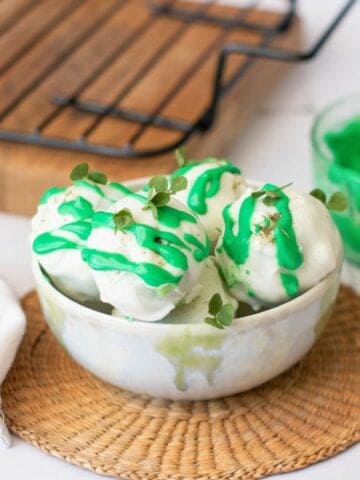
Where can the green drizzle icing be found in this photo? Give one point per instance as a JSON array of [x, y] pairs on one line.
[[151, 274], [80, 228], [172, 217], [201, 251], [169, 216], [207, 185], [290, 283], [165, 244], [103, 220], [48, 243], [162, 243], [50, 193], [288, 251], [79, 208], [237, 246]]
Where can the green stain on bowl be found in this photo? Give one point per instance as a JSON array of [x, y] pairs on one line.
[[55, 317], [188, 352]]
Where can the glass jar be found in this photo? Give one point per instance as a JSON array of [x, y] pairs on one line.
[[335, 138]]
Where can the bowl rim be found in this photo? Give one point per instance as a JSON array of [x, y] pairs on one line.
[[262, 318], [249, 321]]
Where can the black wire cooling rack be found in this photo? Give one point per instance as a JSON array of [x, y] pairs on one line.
[[33, 111]]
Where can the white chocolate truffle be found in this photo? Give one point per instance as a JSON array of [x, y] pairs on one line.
[[270, 251], [147, 268], [59, 231]]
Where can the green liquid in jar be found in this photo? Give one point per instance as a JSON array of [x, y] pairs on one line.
[[344, 172]]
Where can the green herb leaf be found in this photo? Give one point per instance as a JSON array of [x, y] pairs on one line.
[[215, 304], [222, 315], [160, 199], [79, 171], [123, 219], [214, 323], [337, 202], [98, 177], [319, 194], [178, 184], [180, 156], [159, 184], [226, 315], [160, 192]]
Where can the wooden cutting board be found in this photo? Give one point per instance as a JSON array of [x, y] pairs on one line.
[[117, 51]]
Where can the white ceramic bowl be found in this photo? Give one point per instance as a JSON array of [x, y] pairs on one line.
[[192, 361]]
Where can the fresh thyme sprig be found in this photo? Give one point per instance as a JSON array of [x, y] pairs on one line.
[[160, 191], [337, 201], [270, 196], [122, 219], [221, 315], [82, 170]]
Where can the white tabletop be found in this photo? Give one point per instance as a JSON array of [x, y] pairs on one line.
[[274, 147]]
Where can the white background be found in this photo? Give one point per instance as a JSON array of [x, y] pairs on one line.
[[274, 147]]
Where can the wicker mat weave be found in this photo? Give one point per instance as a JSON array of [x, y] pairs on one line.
[[306, 415]]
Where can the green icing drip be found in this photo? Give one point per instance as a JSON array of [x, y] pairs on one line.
[[189, 352], [151, 274], [288, 251], [80, 228], [48, 243], [169, 216], [237, 246], [172, 217], [79, 208], [162, 243], [166, 244], [103, 220], [50, 193], [201, 251], [207, 185], [290, 283]]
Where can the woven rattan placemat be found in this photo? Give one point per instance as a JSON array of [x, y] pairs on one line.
[[307, 414]]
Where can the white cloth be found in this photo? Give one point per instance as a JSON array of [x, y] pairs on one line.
[[12, 328]]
